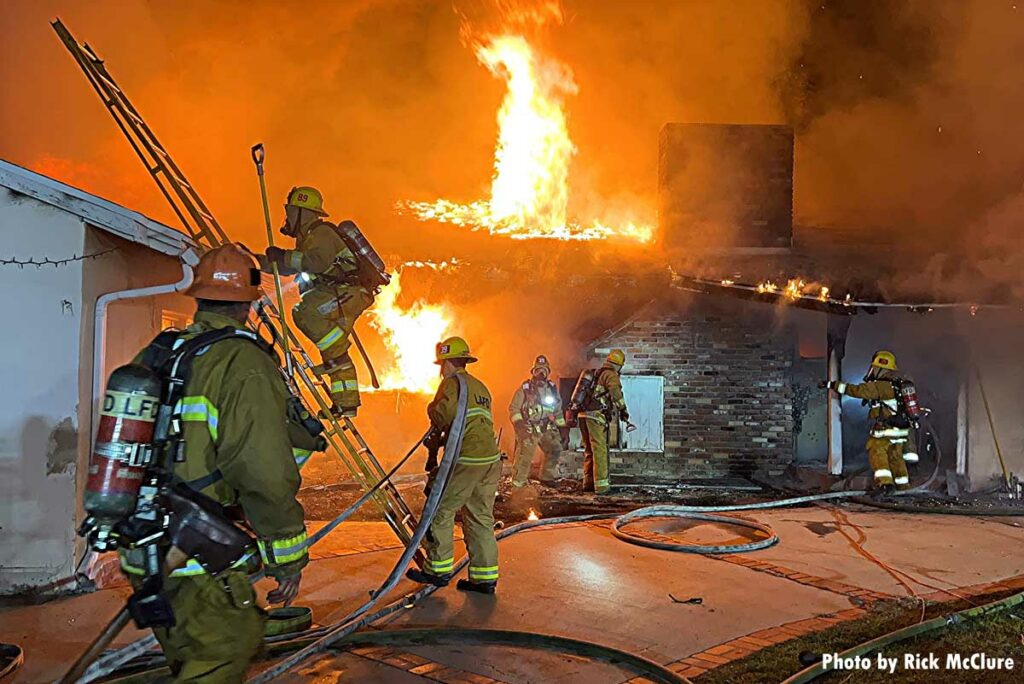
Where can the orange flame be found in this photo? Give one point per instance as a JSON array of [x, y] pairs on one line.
[[409, 334], [530, 186], [532, 515]]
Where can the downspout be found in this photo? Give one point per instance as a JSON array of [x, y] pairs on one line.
[[87, 566], [188, 259]]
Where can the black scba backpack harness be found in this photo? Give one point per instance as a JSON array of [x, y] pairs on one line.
[[908, 411], [370, 272], [171, 513]]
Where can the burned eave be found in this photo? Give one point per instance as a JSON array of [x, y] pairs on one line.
[[846, 306]]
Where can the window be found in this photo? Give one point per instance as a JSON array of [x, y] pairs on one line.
[[645, 397], [174, 319]]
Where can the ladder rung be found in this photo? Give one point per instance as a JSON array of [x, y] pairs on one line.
[[170, 176], [136, 118]]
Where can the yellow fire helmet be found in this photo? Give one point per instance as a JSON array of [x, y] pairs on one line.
[[453, 348], [541, 362], [305, 197], [884, 360], [616, 358]]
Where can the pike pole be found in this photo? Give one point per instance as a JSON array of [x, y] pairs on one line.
[[366, 359], [258, 155]]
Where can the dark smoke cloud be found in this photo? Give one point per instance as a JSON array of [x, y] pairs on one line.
[[907, 117]]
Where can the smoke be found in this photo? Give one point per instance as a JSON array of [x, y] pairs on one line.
[[906, 118]]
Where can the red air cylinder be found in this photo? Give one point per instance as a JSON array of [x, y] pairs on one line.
[[118, 462], [908, 393]]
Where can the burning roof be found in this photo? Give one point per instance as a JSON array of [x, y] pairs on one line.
[[530, 189]]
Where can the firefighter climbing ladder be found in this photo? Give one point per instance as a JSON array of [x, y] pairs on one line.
[[341, 433]]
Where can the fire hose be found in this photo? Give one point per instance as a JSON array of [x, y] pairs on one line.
[[344, 631], [104, 665], [349, 624], [107, 664], [943, 621], [11, 658], [352, 622], [904, 507], [339, 631], [705, 513]]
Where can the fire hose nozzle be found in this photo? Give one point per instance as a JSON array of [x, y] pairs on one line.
[[258, 155]]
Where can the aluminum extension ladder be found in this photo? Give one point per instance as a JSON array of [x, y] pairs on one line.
[[341, 433]]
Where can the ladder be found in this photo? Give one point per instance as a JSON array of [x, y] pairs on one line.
[[342, 436]]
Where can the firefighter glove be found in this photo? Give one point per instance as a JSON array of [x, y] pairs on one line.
[[287, 589], [275, 255]]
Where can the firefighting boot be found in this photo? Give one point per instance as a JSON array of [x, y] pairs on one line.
[[478, 587], [417, 575], [885, 490], [344, 411]]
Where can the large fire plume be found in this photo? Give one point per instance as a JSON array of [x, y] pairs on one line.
[[530, 185], [409, 334]]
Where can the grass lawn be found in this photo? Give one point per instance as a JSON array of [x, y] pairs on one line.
[[998, 635]]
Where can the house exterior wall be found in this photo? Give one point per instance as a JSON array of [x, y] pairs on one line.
[[39, 342], [47, 344], [728, 396], [994, 375], [130, 323]]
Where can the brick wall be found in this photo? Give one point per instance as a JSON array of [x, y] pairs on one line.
[[728, 395]]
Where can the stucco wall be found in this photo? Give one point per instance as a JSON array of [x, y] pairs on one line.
[[41, 314], [995, 349], [46, 342], [130, 323]]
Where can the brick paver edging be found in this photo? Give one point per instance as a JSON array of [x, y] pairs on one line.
[[708, 659]]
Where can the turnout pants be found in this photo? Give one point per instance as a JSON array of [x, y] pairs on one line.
[[886, 459], [550, 443], [218, 630], [326, 315], [471, 488], [595, 454], [910, 453]]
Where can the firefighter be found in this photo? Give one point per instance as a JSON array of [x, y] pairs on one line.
[[238, 451], [536, 414], [604, 405], [333, 297], [472, 482], [889, 445]]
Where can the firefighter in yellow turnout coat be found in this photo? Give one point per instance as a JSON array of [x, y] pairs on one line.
[[333, 298], [472, 482], [606, 404], [890, 445], [536, 414], [238, 450]]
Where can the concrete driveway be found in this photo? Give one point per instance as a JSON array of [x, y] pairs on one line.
[[578, 580]]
